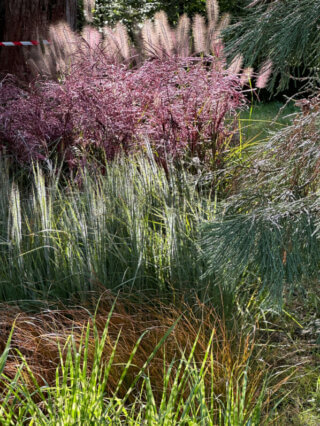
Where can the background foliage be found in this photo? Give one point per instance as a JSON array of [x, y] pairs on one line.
[[269, 229], [287, 33], [134, 12]]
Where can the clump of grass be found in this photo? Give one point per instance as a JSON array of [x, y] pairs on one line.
[[130, 227], [132, 364]]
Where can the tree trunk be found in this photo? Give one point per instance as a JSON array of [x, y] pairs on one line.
[[24, 20]]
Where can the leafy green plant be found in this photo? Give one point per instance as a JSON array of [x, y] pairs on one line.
[[130, 13], [136, 11]]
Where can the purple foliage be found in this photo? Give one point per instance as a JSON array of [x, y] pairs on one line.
[[180, 105]]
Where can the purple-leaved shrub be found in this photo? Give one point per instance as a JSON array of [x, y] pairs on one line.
[[103, 107]]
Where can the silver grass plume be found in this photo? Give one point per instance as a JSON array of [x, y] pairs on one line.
[[54, 59], [183, 36], [121, 34], [264, 74], [199, 29], [212, 12], [92, 37], [150, 38], [223, 23], [112, 44], [166, 35], [64, 45], [236, 64], [246, 76], [215, 36]]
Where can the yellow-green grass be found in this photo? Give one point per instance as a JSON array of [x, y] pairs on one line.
[[133, 364]]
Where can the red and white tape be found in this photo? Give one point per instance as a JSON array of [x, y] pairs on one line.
[[23, 43]]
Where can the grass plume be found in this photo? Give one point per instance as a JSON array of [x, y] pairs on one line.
[[199, 30]]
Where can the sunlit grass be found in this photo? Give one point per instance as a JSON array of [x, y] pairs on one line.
[[134, 229], [168, 367], [129, 228]]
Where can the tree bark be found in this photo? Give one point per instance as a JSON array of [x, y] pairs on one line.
[[24, 20]]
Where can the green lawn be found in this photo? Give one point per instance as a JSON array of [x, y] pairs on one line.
[[262, 118]]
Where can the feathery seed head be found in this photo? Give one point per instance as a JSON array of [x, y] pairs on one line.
[[150, 38], [59, 55], [116, 44], [246, 76], [236, 64], [199, 34], [92, 37], [183, 36], [264, 74], [213, 11], [165, 33], [224, 22], [121, 34]]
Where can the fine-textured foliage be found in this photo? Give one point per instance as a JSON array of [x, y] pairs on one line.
[[102, 108], [270, 229], [133, 228], [275, 247], [287, 33], [151, 366]]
